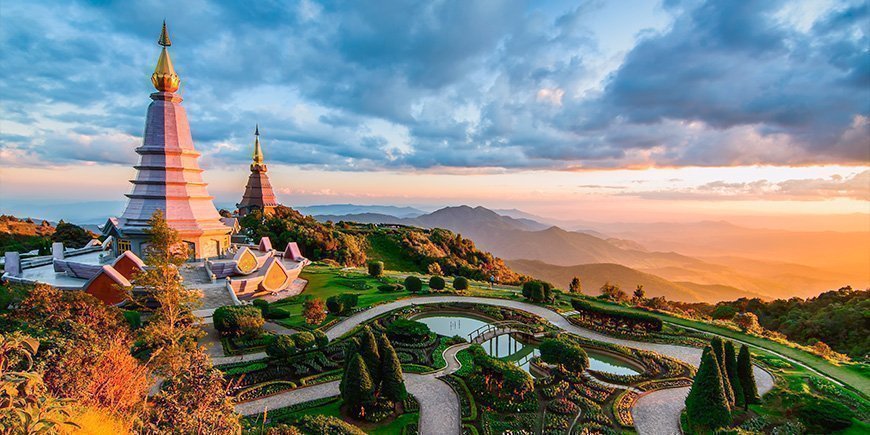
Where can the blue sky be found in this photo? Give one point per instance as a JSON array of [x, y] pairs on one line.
[[449, 87]]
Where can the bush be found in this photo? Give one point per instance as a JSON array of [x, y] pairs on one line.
[[282, 346], [386, 288], [263, 306], [341, 304], [436, 283], [133, 318], [408, 331], [320, 339], [413, 284], [376, 268], [239, 320], [460, 283], [630, 318], [724, 312], [823, 415], [304, 340], [564, 353]]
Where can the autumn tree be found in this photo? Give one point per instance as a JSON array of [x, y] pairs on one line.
[[434, 269], [314, 311], [747, 377], [574, 286], [392, 381], [639, 294], [707, 405], [613, 292], [748, 322]]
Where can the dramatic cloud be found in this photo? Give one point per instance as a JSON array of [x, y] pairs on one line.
[[855, 186], [400, 85]]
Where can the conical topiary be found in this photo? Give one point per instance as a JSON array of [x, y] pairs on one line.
[[358, 390], [706, 405], [731, 368], [747, 377], [392, 381], [350, 349], [719, 351], [368, 348]]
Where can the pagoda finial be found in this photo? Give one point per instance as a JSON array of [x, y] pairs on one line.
[[164, 77], [258, 153]]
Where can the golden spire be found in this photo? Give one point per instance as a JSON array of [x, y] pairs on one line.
[[164, 77], [258, 153]]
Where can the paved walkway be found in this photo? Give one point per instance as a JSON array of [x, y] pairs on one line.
[[655, 413]]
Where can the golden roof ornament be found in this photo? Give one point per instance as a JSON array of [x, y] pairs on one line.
[[258, 153], [164, 77]]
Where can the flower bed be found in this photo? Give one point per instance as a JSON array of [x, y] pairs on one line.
[[246, 368], [466, 401], [622, 408], [244, 345], [263, 390]]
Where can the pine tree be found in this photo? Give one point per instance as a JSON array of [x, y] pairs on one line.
[[747, 378], [368, 348], [392, 381], [719, 351], [731, 368], [350, 349], [358, 390], [707, 405]]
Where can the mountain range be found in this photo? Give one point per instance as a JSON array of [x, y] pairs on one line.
[[703, 261]]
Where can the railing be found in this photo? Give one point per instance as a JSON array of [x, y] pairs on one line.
[[492, 330]]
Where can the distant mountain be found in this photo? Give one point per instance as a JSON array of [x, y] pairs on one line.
[[468, 221], [353, 209], [593, 276]]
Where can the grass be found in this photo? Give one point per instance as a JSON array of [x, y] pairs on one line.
[[383, 248], [333, 409], [852, 375]]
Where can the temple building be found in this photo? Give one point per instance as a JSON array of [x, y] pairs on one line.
[[258, 192], [169, 177]]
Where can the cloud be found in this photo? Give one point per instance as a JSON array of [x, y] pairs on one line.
[[450, 85], [855, 186]]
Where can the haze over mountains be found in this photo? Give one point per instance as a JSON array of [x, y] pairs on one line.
[[702, 261]]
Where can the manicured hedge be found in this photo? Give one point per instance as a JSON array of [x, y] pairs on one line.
[[608, 314], [238, 320]]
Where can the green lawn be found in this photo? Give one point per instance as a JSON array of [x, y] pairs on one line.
[[333, 409], [382, 248], [852, 375]]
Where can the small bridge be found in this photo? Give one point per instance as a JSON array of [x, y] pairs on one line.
[[492, 330]]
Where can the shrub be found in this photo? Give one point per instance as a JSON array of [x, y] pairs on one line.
[[724, 312], [282, 346], [566, 354], [133, 318], [387, 288], [436, 283], [320, 339], [823, 415], [376, 268], [263, 306], [408, 331], [413, 284], [304, 340], [238, 320], [460, 283], [632, 319], [314, 311]]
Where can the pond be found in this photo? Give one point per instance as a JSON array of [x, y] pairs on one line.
[[508, 348]]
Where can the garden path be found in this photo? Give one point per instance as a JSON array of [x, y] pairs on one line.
[[655, 413]]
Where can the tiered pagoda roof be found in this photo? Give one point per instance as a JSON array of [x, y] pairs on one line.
[[258, 192]]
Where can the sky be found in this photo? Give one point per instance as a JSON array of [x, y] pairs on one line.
[[632, 111]]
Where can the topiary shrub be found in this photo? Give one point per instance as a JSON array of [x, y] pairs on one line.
[[408, 331], [342, 304], [436, 283], [304, 340], [239, 320], [413, 284], [282, 346], [263, 306], [460, 283], [376, 268], [386, 288]]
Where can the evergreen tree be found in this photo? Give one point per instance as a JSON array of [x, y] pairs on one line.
[[392, 381], [707, 405], [350, 349], [368, 349], [358, 390], [719, 351], [731, 368], [747, 378]]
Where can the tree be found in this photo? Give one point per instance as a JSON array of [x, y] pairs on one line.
[[341, 304], [282, 346], [533, 290], [613, 292], [460, 283], [747, 377], [239, 320], [314, 311], [357, 387], [434, 269], [436, 283], [408, 331], [304, 340], [748, 322], [733, 377], [321, 339], [392, 381], [639, 294], [368, 349], [413, 284], [376, 268], [574, 287], [72, 236], [706, 404], [568, 355], [719, 351]]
